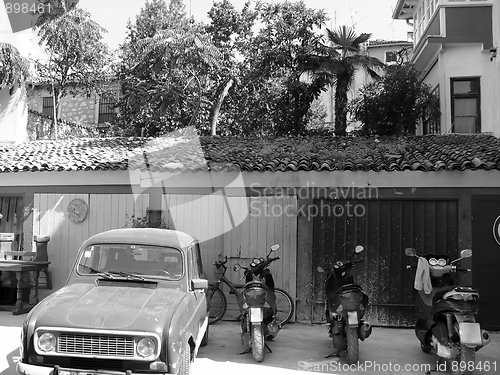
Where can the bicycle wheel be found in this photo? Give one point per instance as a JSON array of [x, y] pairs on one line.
[[284, 306], [217, 303]]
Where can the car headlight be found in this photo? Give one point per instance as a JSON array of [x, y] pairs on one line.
[[47, 342], [146, 347]]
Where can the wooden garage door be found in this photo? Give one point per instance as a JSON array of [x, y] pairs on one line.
[[385, 228]]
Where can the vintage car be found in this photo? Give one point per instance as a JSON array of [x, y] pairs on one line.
[[134, 303]]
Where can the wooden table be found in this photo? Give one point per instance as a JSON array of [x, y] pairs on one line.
[[18, 268]]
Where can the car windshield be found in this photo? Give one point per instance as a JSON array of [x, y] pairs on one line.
[[125, 260]]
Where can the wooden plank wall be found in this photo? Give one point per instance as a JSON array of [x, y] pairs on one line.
[[263, 221], [240, 228], [105, 211], [11, 209]]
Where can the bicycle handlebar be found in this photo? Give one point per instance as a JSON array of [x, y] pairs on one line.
[[221, 262]]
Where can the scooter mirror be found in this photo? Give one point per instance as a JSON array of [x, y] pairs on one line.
[[275, 247], [410, 251], [466, 253], [320, 270], [236, 267], [359, 249]]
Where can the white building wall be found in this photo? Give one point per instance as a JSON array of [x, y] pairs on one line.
[[467, 61]]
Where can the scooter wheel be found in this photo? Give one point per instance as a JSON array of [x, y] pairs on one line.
[[258, 342], [426, 348], [352, 345]]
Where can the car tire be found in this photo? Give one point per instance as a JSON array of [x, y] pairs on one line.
[[185, 362]]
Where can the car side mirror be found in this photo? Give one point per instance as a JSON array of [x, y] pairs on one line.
[[197, 284], [410, 252]]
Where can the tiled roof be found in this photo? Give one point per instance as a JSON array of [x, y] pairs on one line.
[[309, 153], [380, 42]]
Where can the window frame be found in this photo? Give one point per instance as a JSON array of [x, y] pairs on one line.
[[48, 110], [436, 127], [108, 112], [474, 95], [391, 62]]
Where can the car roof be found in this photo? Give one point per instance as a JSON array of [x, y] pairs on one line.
[[143, 236]]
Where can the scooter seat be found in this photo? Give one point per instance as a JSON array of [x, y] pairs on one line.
[[441, 292], [349, 286]]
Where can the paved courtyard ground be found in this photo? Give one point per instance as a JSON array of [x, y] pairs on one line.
[[297, 349]]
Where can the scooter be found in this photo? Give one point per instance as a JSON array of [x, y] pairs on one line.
[[258, 306], [345, 307], [446, 323]]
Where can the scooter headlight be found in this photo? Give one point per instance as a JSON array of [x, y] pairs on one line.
[[437, 262]]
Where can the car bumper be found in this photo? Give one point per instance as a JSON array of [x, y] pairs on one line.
[[26, 369]]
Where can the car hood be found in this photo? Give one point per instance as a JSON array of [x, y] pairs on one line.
[[109, 307]]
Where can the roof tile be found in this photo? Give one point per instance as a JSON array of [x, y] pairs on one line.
[[307, 153]]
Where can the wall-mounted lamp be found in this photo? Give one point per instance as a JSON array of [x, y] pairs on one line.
[[493, 51]]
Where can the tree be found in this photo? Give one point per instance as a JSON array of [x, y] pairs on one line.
[[340, 58], [165, 75], [77, 57], [14, 69], [272, 98], [396, 103]]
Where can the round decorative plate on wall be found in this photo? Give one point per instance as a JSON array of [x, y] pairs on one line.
[[77, 210]]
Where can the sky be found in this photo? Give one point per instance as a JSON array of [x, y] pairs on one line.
[[367, 16]]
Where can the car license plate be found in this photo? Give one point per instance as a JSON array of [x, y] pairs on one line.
[[470, 333], [74, 372]]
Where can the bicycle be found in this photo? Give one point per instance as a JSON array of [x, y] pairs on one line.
[[218, 300]]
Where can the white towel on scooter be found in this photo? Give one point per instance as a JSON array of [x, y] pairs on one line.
[[422, 276]]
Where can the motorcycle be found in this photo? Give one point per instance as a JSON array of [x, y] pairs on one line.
[[446, 323], [257, 304], [345, 307]]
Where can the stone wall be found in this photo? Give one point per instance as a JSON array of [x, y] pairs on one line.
[[39, 128], [79, 110]]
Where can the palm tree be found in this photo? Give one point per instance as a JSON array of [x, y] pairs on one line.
[[340, 59]]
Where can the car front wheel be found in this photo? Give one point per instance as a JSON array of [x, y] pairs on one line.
[[185, 364]]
